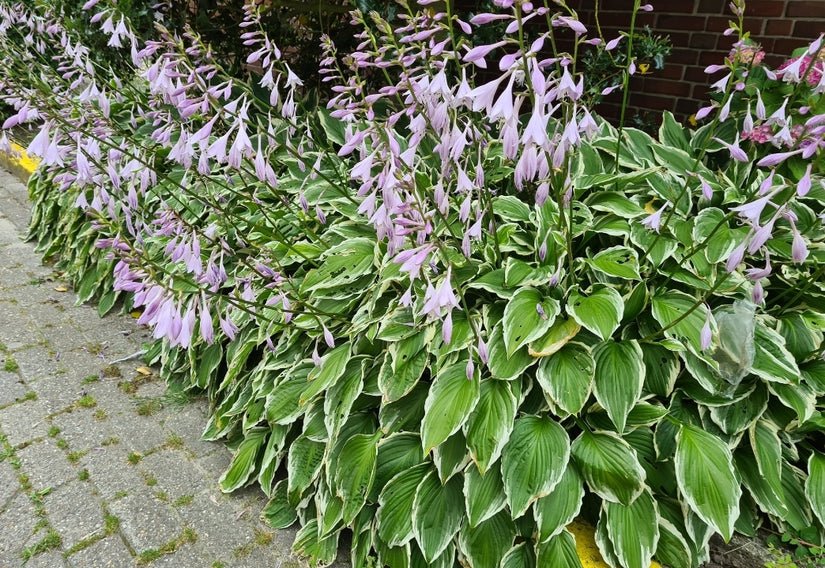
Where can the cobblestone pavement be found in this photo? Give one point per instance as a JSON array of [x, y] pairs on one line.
[[100, 464]]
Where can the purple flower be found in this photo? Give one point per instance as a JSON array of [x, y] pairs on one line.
[[447, 328], [736, 152], [775, 159], [654, 220], [804, 185], [736, 257], [758, 293], [759, 273], [799, 250], [706, 336]]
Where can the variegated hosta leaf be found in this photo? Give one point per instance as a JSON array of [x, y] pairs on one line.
[[355, 472], [521, 555], [555, 511], [558, 552], [278, 512], [437, 513], [704, 473], [245, 460], [528, 316], [619, 378], [815, 485], [490, 424], [633, 529], [303, 464], [449, 403], [533, 461], [309, 542], [600, 312], [396, 503], [488, 542], [609, 465], [483, 494], [567, 376], [332, 367]]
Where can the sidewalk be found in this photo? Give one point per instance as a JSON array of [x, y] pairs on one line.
[[100, 465]]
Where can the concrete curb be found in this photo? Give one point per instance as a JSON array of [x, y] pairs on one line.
[[22, 166]]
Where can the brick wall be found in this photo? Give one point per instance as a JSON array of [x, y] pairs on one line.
[[695, 28]]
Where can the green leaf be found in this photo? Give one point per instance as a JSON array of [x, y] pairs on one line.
[[619, 378], [673, 549], [633, 530], [511, 208], [343, 264], [800, 340], [772, 361], [528, 316], [533, 461], [815, 484], [244, 461], [562, 331], [394, 518], [760, 489], [503, 366], [451, 456], [210, 358], [308, 542], [340, 397], [332, 367], [614, 202], [668, 307], [273, 454], [483, 494], [674, 159], [558, 552], [491, 422], [449, 403], [767, 450], [334, 128], [282, 403], [600, 312], [558, 509], [278, 513], [521, 555], [356, 472], [704, 473], [609, 465], [486, 543], [712, 225], [567, 376], [661, 369], [621, 262], [404, 364], [799, 512], [671, 133], [396, 453], [303, 464], [437, 513], [798, 397]]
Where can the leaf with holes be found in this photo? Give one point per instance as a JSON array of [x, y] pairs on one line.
[[600, 312], [620, 262], [567, 376], [528, 316]]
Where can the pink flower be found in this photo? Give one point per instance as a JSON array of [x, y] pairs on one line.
[[653, 221], [706, 335]]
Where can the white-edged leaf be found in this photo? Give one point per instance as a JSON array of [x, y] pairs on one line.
[[771, 360], [673, 549], [501, 365], [521, 555], [527, 316], [533, 461], [278, 513], [558, 552], [621, 262], [437, 513], [451, 399], [633, 530], [483, 494], [555, 511], [330, 370], [394, 517], [567, 376], [673, 306], [355, 472], [600, 312], [562, 331], [491, 422], [303, 464], [486, 544], [815, 484], [704, 473], [609, 465], [244, 461], [619, 378]]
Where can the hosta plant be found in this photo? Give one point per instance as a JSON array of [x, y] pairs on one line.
[[452, 313]]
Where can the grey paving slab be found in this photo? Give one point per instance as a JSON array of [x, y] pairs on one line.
[[50, 559], [74, 512], [110, 473], [8, 484], [174, 472], [12, 388], [46, 465], [75, 430], [37, 362], [109, 552], [145, 522], [17, 524], [24, 421]]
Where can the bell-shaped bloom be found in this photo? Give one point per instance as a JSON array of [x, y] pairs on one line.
[[654, 220], [706, 335]]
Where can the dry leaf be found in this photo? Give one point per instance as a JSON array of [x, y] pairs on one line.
[[144, 370], [61, 288]]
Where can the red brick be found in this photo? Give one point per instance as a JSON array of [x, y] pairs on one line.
[[718, 24], [698, 75], [686, 107], [765, 8], [680, 23], [712, 7], [703, 41], [675, 72], [807, 29], [711, 58], [806, 9], [666, 87], [785, 46], [780, 27], [683, 56], [652, 101]]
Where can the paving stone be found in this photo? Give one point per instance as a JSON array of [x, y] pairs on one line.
[[17, 523], [17, 330], [109, 552], [212, 517], [49, 559], [175, 474], [81, 431], [145, 522], [187, 555], [74, 512], [189, 422], [8, 484], [36, 362], [46, 465], [24, 421], [110, 473], [12, 388], [138, 433], [216, 463]]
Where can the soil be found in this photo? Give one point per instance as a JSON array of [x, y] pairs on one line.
[[740, 552]]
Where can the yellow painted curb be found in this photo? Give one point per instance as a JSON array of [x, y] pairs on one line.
[[18, 162]]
